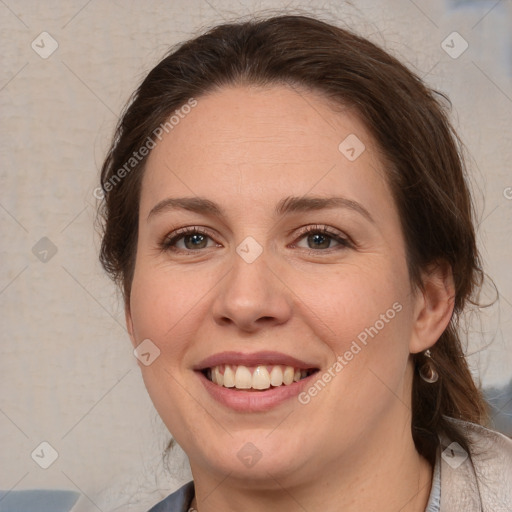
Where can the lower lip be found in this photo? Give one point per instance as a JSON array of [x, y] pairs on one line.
[[254, 401]]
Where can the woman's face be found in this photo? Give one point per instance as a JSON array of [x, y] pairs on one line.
[[248, 292]]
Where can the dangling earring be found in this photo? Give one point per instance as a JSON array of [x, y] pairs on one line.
[[427, 371]]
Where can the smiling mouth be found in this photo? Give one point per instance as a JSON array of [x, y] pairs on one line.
[[257, 378]]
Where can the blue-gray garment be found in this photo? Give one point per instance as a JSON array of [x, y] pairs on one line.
[[180, 501], [40, 500]]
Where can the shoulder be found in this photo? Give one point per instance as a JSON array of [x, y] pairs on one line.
[[480, 480], [491, 451], [178, 501]]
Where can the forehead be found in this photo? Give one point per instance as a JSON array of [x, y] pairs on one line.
[[249, 144]]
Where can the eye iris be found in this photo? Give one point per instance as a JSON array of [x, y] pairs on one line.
[[318, 237], [196, 240]]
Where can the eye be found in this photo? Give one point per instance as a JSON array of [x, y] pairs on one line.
[[193, 239], [321, 238], [190, 238]]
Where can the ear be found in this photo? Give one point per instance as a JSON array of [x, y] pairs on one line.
[[129, 322], [433, 306]]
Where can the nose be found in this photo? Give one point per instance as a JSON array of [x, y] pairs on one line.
[[252, 296]]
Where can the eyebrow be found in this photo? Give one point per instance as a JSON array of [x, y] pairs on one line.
[[291, 204]]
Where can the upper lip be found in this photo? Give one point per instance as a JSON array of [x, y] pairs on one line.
[[254, 359]]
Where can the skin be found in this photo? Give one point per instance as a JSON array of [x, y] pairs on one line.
[[350, 448]]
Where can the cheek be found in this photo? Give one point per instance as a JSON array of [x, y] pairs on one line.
[[166, 308], [355, 298], [365, 318], [164, 304]]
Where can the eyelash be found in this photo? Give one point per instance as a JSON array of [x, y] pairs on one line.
[[167, 244]]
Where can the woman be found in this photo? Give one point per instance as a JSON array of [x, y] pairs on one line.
[[287, 214]]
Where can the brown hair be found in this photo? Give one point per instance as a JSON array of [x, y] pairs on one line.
[[426, 170]]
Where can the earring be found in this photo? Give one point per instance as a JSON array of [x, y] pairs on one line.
[[427, 371]]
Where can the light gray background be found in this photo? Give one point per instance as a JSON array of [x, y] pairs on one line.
[[68, 375]]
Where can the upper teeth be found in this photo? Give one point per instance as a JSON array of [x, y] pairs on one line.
[[262, 377]]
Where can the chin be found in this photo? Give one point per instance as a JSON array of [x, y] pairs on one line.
[[258, 458]]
